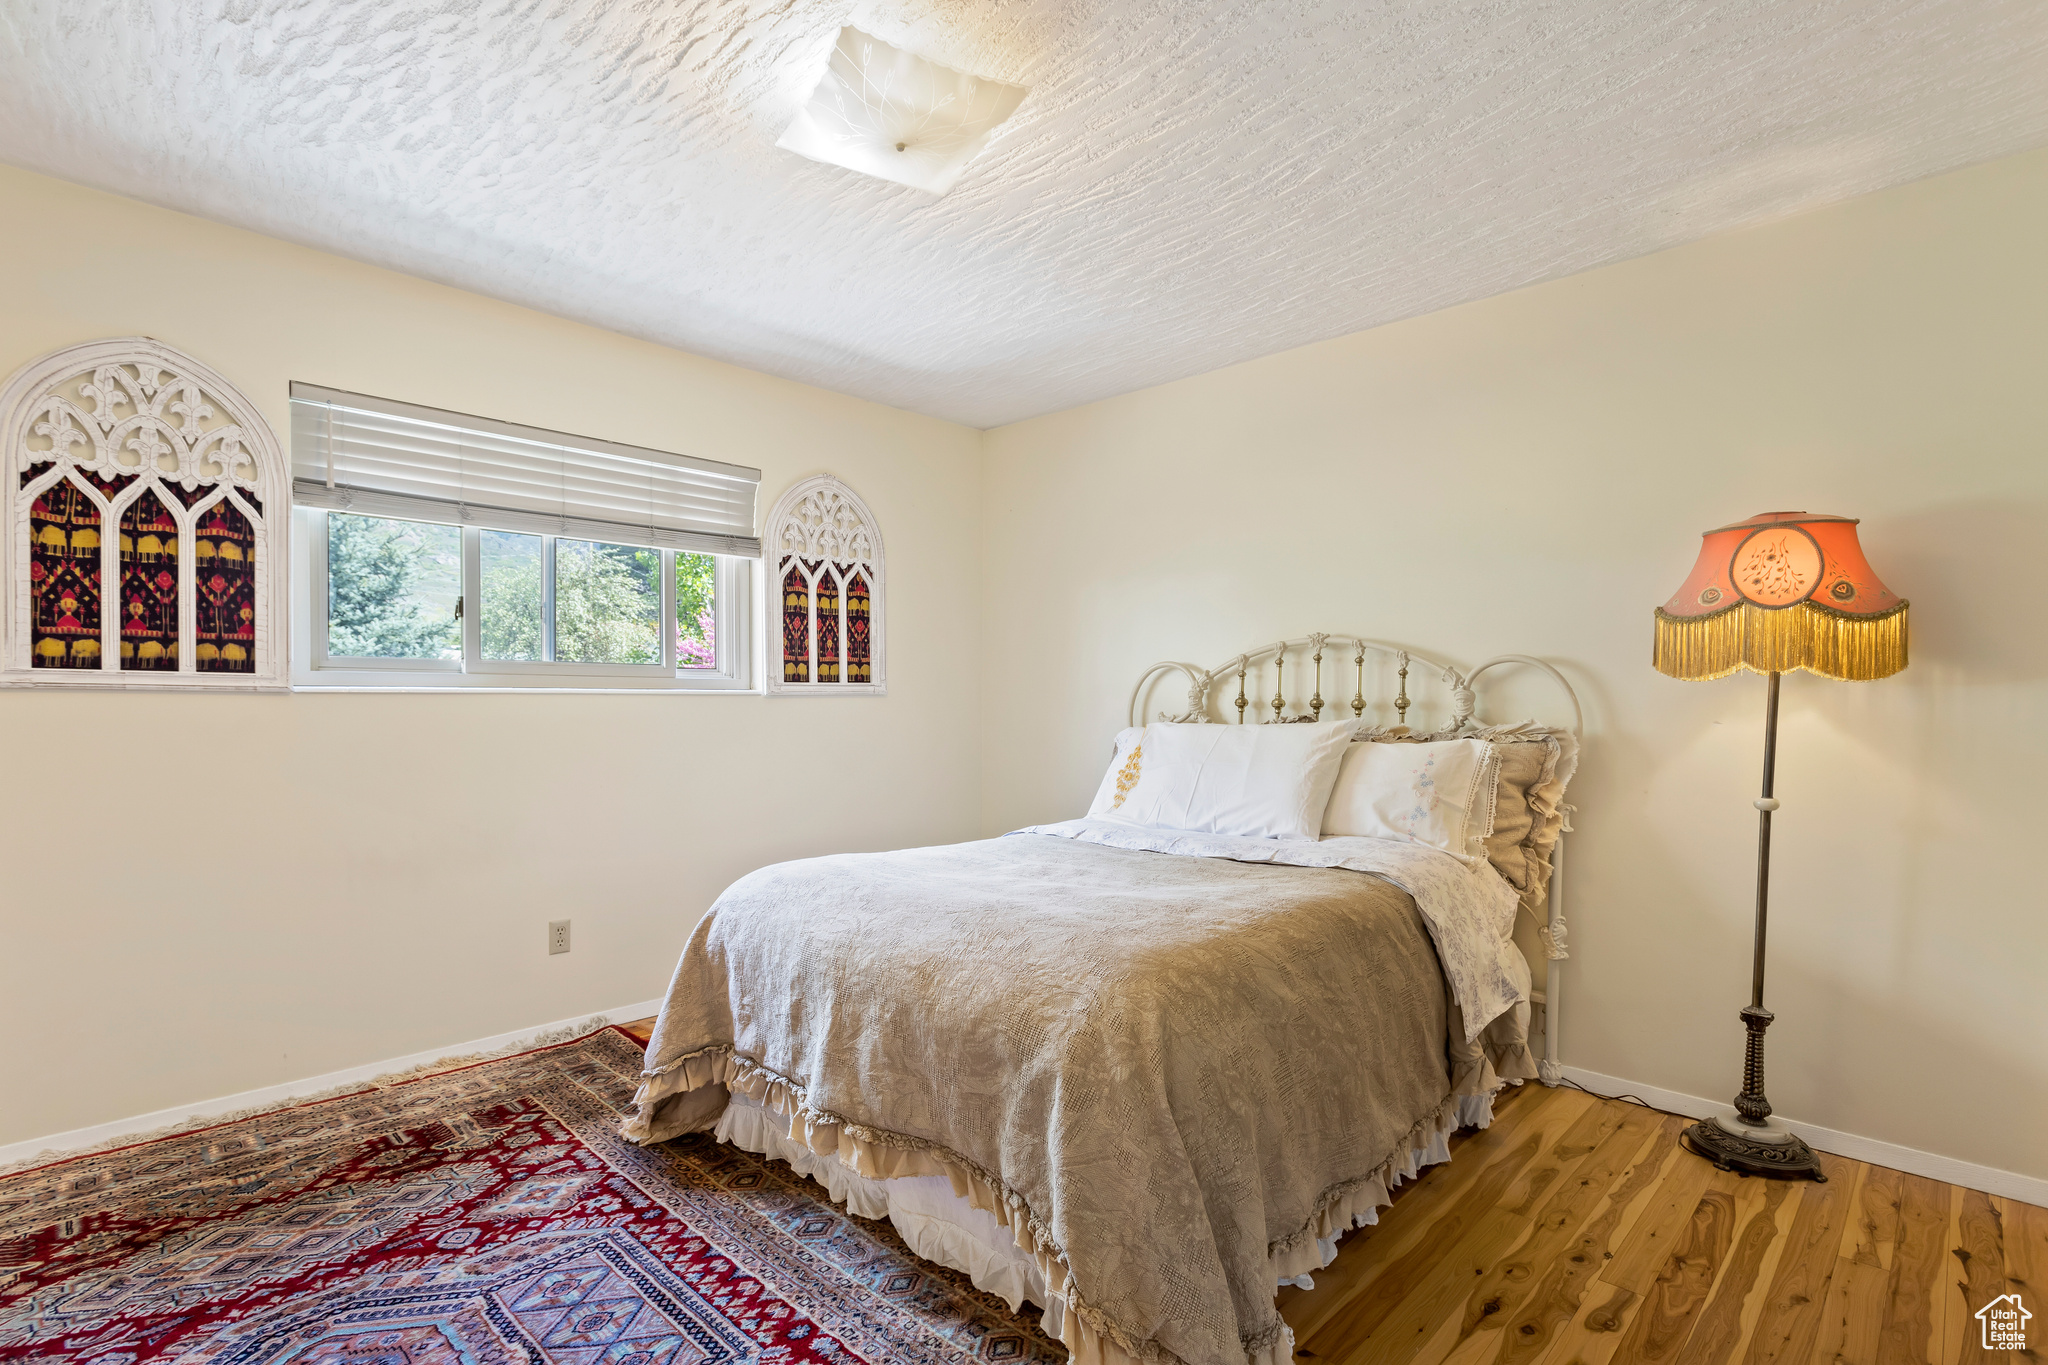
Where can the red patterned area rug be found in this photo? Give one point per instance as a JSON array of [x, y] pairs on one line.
[[485, 1216]]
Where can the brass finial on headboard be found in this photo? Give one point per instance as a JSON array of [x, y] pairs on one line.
[[1315, 701]]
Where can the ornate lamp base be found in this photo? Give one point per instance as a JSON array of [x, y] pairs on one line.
[[1786, 1158]]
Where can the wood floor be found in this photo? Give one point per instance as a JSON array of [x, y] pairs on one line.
[[1576, 1231]]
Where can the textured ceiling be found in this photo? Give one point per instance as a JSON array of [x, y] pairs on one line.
[[1187, 185]]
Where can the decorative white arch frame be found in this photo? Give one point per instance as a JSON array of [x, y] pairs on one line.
[[135, 408], [822, 527], [1462, 698]]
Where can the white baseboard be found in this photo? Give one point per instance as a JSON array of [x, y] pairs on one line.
[[102, 1135], [2027, 1189]]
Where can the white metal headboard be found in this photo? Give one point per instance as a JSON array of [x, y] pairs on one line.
[[1311, 651]]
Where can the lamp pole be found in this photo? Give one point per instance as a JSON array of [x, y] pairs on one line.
[[1747, 1143], [1751, 1104]]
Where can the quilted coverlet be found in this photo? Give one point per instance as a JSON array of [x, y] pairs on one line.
[[1164, 1073]]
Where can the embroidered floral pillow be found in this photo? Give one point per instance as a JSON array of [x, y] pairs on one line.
[[1439, 794], [1124, 766]]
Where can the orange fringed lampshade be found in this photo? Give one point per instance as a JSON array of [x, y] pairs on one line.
[[1779, 592]]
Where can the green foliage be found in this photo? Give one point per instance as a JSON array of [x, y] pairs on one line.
[[696, 630], [607, 602], [512, 618], [383, 579], [393, 586]]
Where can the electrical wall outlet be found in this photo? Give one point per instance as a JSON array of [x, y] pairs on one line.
[[558, 936]]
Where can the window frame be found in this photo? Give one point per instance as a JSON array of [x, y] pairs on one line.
[[313, 669]]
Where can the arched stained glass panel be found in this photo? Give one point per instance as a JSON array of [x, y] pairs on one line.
[[150, 553], [796, 626], [64, 578], [822, 540], [133, 454], [828, 626], [224, 577], [858, 664]]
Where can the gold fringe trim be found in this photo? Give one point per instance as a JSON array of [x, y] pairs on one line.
[[1781, 640]]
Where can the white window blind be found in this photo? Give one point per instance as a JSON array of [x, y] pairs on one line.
[[352, 453]]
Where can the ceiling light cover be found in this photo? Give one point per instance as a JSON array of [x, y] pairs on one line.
[[885, 112]]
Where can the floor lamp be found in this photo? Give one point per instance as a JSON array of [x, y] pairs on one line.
[[1778, 592]]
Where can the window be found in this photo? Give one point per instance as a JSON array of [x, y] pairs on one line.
[[142, 502], [445, 551], [827, 572]]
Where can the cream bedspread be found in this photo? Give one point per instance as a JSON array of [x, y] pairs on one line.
[[1166, 1074]]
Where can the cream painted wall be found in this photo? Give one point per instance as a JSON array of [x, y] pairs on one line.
[[1530, 473], [205, 894]]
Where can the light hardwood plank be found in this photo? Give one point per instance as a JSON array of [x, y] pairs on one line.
[[1975, 1274], [1649, 1244], [1950, 1304], [1722, 1329], [1488, 1326], [2026, 1265], [1594, 1333], [2026, 1244], [1857, 1295], [1790, 1321], [1699, 1252], [1560, 1289], [1914, 1312]]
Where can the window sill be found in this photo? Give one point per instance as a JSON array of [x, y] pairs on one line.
[[454, 680], [501, 688]]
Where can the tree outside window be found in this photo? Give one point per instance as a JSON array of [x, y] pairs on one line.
[[395, 591]]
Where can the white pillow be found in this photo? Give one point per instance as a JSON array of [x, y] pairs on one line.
[[1107, 797], [1439, 794], [1255, 781]]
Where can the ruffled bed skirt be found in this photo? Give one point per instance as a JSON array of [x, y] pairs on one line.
[[995, 1239]]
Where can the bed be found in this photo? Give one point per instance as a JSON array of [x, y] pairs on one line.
[[1139, 1076]]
